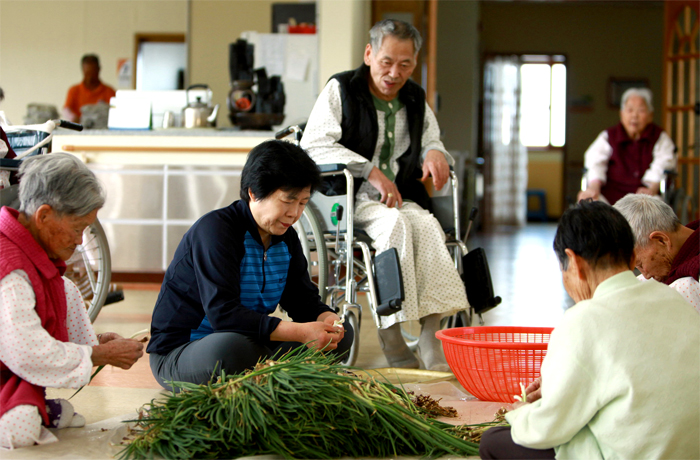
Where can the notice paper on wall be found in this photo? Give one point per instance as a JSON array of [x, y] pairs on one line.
[[294, 57], [296, 66]]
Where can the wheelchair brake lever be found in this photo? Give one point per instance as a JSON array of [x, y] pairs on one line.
[[472, 215]]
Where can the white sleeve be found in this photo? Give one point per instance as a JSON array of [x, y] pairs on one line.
[[77, 320], [596, 158], [689, 288], [664, 159], [323, 131], [28, 349], [430, 139]]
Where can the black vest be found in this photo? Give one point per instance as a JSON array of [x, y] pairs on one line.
[[360, 129]]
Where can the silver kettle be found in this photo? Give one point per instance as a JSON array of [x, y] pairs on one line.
[[199, 114]]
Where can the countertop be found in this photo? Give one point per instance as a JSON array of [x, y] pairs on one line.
[[173, 146], [209, 132]]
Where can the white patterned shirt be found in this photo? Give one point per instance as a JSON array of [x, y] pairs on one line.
[[688, 287], [323, 131], [28, 349]]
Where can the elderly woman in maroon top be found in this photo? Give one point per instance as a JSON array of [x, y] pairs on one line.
[[665, 250], [630, 157]]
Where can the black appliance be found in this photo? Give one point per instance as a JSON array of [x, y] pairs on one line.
[[255, 101]]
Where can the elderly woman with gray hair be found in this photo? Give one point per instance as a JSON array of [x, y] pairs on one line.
[[630, 157], [665, 250], [46, 339]]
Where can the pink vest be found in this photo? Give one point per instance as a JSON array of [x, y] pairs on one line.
[[20, 251], [629, 160]]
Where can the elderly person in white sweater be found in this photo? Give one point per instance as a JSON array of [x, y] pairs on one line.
[[621, 378]]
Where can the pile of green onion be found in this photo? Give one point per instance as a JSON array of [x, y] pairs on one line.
[[300, 406]]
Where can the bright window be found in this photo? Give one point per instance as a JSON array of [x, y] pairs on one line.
[[543, 101]]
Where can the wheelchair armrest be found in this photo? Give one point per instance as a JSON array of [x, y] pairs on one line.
[[10, 164], [331, 168]]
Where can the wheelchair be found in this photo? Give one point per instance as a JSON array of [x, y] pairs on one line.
[[674, 196], [90, 265], [341, 263]]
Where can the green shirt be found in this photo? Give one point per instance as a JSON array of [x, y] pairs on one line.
[[390, 108]]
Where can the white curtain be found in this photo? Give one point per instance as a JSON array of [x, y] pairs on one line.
[[508, 156]]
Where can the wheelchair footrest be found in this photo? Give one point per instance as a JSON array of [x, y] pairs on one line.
[[477, 281], [390, 293], [116, 294]]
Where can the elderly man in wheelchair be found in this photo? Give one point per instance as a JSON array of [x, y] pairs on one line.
[[375, 121]]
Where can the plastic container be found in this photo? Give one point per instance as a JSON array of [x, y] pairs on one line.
[[491, 362], [303, 28]]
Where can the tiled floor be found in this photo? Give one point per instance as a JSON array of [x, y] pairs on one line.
[[524, 271], [525, 274]]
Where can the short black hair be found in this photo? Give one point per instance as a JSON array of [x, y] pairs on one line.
[[597, 232], [275, 165], [90, 59]]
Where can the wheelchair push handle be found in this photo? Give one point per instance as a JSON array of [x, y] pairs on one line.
[[48, 127], [294, 129], [68, 125]]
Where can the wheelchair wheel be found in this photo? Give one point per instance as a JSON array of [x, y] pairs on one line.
[[351, 357], [312, 240], [90, 268]]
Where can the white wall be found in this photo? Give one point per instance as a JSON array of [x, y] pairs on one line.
[[343, 27], [41, 43]]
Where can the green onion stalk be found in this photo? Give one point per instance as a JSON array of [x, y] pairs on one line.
[[303, 405]]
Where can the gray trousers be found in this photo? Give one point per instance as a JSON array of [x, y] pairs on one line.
[[199, 360]]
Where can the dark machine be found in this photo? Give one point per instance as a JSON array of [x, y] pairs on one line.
[[255, 101]]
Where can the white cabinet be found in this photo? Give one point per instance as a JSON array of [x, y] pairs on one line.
[[158, 186]]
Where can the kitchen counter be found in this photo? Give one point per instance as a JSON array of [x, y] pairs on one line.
[[158, 183], [175, 146], [228, 132]]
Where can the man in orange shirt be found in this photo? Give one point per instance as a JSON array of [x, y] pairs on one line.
[[90, 91]]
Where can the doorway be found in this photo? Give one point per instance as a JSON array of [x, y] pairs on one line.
[[160, 62]]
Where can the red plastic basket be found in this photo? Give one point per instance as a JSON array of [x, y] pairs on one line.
[[491, 362]]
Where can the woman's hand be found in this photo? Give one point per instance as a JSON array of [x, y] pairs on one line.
[[586, 194], [592, 191], [331, 318], [321, 335], [652, 190], [108, 337], [117, 351], [533, 392]]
